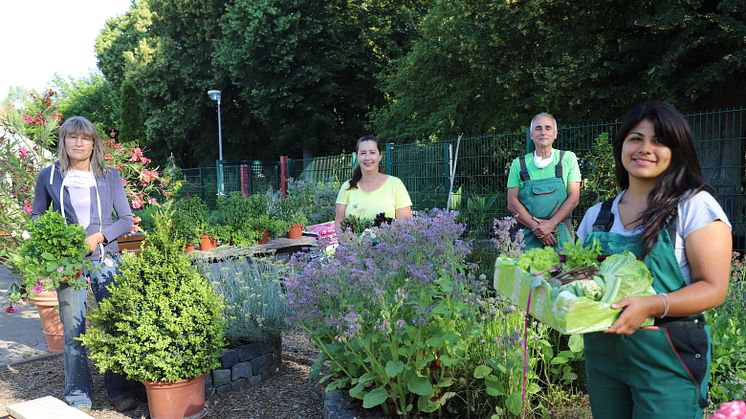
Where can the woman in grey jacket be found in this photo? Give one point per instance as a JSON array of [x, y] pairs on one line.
[[79, 186]]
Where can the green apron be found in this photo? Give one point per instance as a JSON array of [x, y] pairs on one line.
[[660, 371], [542, 198]]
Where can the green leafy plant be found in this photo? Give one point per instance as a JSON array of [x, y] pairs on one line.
[[479, 214], [189, 219], [600, 177], [356, 224], [232, 218], [52, 253], [728, 367], [163, 321], [402, 324], [317, 198], [251, 289]]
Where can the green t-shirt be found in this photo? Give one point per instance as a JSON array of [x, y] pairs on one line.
[[570, 169], [391, 196]]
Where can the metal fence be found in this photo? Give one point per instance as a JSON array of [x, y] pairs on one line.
[[480, 166]]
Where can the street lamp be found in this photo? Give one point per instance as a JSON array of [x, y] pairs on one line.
[[215, 95]]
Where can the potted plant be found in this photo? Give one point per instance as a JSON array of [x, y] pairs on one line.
[[189, 219], [162, 325], [289, 211], [52, 253]]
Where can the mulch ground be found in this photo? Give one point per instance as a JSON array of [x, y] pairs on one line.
[[289, 394]]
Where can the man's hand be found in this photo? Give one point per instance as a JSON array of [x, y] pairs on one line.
[[543, 231]]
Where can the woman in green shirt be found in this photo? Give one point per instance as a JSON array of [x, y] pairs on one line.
[[371, 192]]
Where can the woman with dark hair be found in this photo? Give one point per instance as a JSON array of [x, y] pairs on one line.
[[86, 192], [666, 215], [371, 192]]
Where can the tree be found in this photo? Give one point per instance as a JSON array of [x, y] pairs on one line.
[[481, 66], [130, 124], [92, 97], [306, 69]]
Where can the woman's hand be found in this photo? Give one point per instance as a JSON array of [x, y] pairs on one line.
[[93, 240], [634, 311]]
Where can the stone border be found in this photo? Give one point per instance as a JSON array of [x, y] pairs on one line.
[[244, 365]]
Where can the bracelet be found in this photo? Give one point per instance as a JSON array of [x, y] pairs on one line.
[[666, 304]]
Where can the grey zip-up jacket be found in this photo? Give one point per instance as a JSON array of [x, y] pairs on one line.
[[113, 199]]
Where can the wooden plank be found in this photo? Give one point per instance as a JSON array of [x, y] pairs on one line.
[[45, 408]]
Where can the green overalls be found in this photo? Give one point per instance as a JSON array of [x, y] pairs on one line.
[[660, 371], [542, 198]]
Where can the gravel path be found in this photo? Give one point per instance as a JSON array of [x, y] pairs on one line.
[[289, 394]]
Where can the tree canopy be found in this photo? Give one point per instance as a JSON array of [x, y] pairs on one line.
[[309, 76]]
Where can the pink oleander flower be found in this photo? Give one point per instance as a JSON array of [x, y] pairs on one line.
[[731, 410], [28, 119], [23, 151], [27, 207], [124, 182], [151, 201], [137, 203], [38, 289]]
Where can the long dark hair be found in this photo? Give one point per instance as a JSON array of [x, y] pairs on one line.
[[682, 175], [357, 173]]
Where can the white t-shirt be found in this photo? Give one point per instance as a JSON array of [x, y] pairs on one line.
[[79, 184], [695, 212]]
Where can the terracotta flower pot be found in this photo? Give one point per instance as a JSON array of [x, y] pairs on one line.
[[49, 314], [296, 231], [179, 400], [205, 243], [189, 248]]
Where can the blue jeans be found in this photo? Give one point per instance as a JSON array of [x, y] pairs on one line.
[[78, 391]]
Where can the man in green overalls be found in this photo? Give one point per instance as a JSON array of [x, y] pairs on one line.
[[544, 188]]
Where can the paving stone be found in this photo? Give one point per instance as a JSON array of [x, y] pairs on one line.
[[45, 408]]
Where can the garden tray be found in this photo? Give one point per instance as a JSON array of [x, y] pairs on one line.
[[567, 314]]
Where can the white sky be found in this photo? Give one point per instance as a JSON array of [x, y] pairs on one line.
[[39, 38]]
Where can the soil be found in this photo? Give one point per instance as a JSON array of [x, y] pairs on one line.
[[289, 394]]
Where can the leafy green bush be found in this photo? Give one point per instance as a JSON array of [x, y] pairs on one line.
[[51, 252], [728, 367], [318, 199], [252, 293], [163, 321], [189, 219], [234, 220]]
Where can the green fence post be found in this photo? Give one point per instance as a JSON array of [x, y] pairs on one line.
[[447, 167], [389, 158], [219, 171]]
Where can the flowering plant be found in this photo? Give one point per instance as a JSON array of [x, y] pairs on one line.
[[52, 252], [26, 139], [732, 410], [143, 184], [402, 323]]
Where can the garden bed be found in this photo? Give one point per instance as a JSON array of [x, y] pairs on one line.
[[288, 394]]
